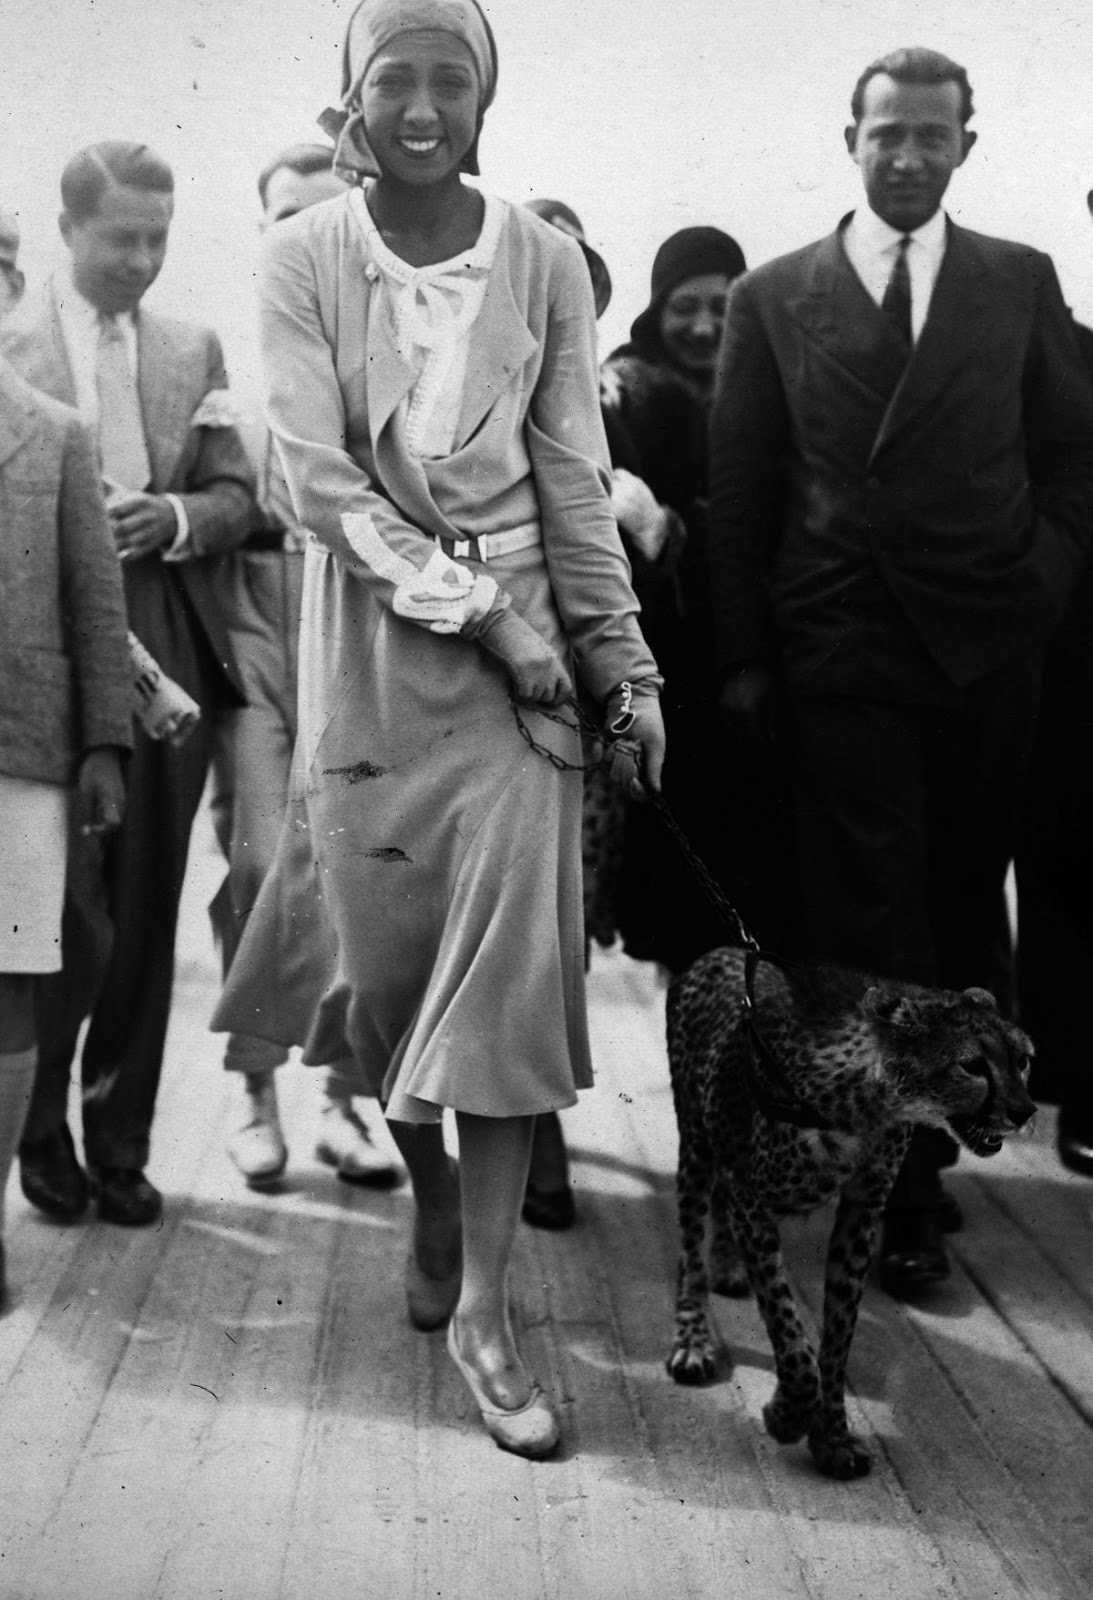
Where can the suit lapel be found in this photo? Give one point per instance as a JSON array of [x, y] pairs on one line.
[[47, 366], [954, 327], [837, 313], [501, 344], [17, 420], [390, 377], [163, 399]]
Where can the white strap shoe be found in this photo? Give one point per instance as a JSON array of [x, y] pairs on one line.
[[345, 1144], [531, 1430], [258, 1148]]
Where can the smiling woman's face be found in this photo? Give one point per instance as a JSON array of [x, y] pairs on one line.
[[691, 321], [420, 103]]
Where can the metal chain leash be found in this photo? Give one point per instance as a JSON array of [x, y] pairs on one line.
[[585, 725], [770, 1086]]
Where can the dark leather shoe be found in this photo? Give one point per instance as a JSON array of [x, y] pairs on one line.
[[52, 1178], [548, 1208], [1074, 1141], [913, 1257], [950, 1217], [126, 1197]]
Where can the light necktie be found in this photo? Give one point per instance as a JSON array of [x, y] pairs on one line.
[[896, 304], [121, 431]]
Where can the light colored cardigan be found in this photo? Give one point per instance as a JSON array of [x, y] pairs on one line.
[[530, 443]]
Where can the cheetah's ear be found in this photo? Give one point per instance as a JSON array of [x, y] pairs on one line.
[[892, 1009], [981, 998]]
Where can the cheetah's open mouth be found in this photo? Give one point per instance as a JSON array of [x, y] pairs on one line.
[[979, 1140]]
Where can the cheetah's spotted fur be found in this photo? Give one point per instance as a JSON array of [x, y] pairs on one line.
[[872, 1057]]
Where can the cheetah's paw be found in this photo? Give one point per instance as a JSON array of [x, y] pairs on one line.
[[693, 1359], [841, 1455]]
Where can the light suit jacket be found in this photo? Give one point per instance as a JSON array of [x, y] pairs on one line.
[[206, 466], [530, 446], [65, 680], [903, 526]]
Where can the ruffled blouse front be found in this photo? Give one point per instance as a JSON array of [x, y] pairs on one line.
[[432, 311]]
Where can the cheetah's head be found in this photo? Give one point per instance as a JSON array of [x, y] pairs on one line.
[[957, 1062]]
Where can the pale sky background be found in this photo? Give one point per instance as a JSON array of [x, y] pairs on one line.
[[644, 116]]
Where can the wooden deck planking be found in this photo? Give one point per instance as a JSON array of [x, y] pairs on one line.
[[234, 1405]]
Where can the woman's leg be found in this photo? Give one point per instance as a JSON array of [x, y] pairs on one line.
[[436, 1186], [493, 1165], [18, 1058]]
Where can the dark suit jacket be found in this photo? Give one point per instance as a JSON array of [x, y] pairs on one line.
[[65, 679], [207, 467], [901, 527]]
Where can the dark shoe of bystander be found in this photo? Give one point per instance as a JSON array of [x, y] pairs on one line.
[[52, 1178], [549, 1208], [126, 1197], [548, 1198], [950, 1217], [913, 1258], [1074, 1140]]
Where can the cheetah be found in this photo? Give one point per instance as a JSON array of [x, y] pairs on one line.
[[856, 1061]]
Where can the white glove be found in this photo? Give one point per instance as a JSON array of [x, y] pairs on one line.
[[536, 670], [639, 514], [635, 757]]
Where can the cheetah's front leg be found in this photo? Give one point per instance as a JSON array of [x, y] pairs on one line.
[[728, 1274], [693, 1356], [788, 1415], [836, 1451]]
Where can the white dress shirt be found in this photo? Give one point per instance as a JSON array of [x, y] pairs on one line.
[[872, 246], [80, 327]]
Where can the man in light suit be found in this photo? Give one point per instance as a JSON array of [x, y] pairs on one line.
[[902, 484], [180, 491], [65, 696]]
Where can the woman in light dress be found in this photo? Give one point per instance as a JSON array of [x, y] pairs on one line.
[[432, 387]]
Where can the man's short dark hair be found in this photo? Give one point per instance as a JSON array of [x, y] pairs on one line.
[[91, 171], [915, 66], [303, 159]]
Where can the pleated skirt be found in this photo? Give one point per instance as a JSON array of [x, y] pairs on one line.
[[441, 851]]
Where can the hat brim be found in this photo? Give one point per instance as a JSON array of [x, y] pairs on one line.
[[601, 278]]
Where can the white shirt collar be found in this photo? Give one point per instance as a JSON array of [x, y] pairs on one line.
[[878, 236]]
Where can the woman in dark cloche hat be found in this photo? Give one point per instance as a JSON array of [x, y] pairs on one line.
[[658, 387]]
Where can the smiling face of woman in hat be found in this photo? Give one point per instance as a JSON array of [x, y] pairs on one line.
[[420, 100], [691, 320]]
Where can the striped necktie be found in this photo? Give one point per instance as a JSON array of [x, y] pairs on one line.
[[896, 304], [121, 432]]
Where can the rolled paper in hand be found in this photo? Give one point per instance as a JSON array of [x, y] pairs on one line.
[[163, 709]]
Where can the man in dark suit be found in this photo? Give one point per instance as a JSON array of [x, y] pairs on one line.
[[180, 491], [1054, 868], [902, 483]]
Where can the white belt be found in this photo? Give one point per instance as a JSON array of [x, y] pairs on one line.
[[488, 546]]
